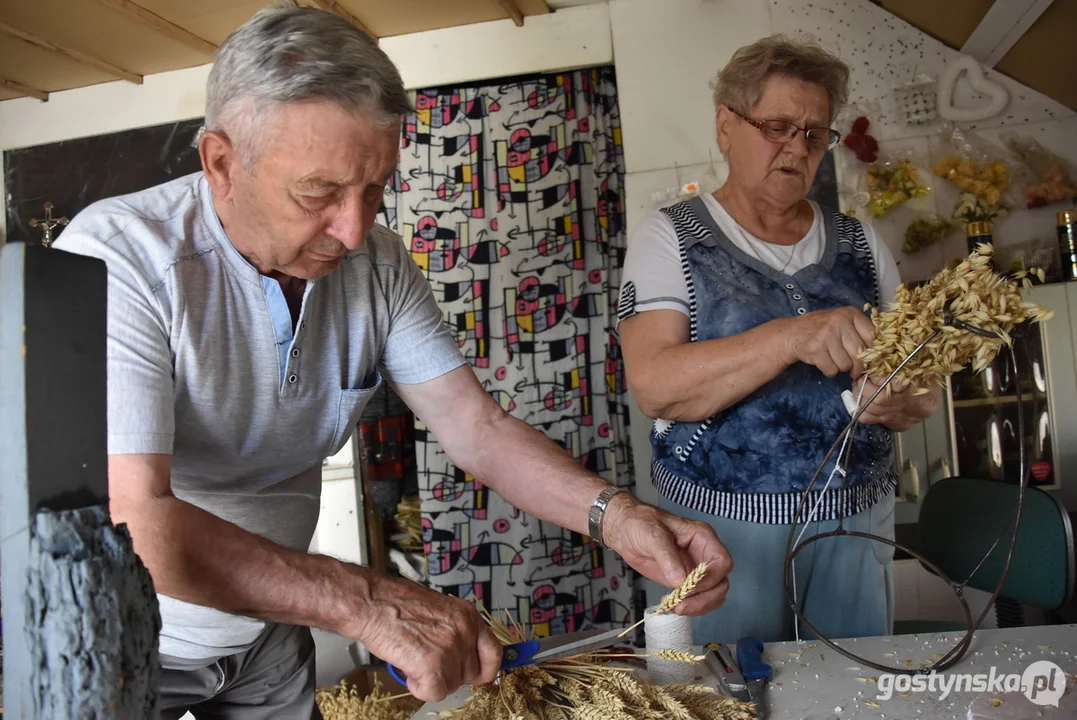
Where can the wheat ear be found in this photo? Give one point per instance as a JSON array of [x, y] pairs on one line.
[[677, 656], [683, 590], [675, 598]]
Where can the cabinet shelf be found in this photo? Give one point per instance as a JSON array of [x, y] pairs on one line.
[[979, 402]]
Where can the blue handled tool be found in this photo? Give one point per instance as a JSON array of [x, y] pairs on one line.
[[750, 659], [533, 652], [754, 670]]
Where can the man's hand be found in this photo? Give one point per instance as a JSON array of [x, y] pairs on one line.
[[901, 410], [439, 642], [665, 548]]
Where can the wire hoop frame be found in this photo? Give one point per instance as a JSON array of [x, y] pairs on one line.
[[793, 548]]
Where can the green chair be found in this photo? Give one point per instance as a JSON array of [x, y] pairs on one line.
[[961, 517]]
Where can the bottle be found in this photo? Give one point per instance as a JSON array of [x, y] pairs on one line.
[[1067, 243], [978, 232]]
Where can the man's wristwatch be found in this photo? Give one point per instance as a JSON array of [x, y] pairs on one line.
[[598, 509]]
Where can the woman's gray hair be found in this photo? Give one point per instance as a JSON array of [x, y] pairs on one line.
[[740, 83], [286, 55]]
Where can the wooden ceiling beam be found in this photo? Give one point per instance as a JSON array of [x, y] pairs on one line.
[[158, 23], [334, 6], [514, 12], [70, 53], [1001, 28], [24, 89]]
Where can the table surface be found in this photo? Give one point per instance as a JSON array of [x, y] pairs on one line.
[[814, 682]]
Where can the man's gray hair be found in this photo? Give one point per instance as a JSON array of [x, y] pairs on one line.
[[739, 85], [287, 55]]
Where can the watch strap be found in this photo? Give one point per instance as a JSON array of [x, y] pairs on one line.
[[598, 510]]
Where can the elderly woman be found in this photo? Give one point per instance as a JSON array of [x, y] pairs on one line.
[[741, 317]]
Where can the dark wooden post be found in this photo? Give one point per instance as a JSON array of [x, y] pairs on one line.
[[80, 617]]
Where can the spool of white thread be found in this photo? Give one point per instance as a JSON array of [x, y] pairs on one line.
[[668, 632]]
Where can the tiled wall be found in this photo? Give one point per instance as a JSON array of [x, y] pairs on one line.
[[884, 52], [667, 52]]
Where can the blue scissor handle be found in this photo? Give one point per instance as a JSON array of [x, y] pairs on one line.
[[519, 654], [398, 676], [513, 656], [750, 659]]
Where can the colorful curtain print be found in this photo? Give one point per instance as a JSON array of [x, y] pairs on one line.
[[511, 197]]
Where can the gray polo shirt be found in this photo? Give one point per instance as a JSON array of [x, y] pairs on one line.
[[203, 364]]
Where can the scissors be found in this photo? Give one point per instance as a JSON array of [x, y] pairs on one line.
[[539, 651]]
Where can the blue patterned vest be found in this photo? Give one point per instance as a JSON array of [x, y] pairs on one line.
[[753, 460]]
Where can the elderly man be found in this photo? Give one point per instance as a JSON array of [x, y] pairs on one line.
[[253, 309]]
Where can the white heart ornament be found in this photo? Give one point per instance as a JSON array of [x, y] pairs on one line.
[[997, 95]]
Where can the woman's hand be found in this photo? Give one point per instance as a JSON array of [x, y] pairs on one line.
[[901, 410], [831, 340]]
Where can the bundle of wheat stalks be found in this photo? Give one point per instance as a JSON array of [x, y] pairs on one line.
[[343, 702], [976, 295], [409, 520], [586, 687]]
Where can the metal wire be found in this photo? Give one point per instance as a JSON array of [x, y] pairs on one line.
[[958, 652]]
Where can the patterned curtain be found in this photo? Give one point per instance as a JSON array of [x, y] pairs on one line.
[[511, 197]]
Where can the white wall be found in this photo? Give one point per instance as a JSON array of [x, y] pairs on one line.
[[104, 108]]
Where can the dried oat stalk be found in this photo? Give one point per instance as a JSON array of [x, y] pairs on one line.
[[343, 702], [409, 524], [976, 295], [586, 687]]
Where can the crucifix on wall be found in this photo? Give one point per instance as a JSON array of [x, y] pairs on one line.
[[48, 224]]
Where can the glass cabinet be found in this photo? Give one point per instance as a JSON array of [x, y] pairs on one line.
[[982, 408], [973, 432], [986, 408]]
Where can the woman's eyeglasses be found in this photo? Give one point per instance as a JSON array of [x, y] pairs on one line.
[[820, 139]]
